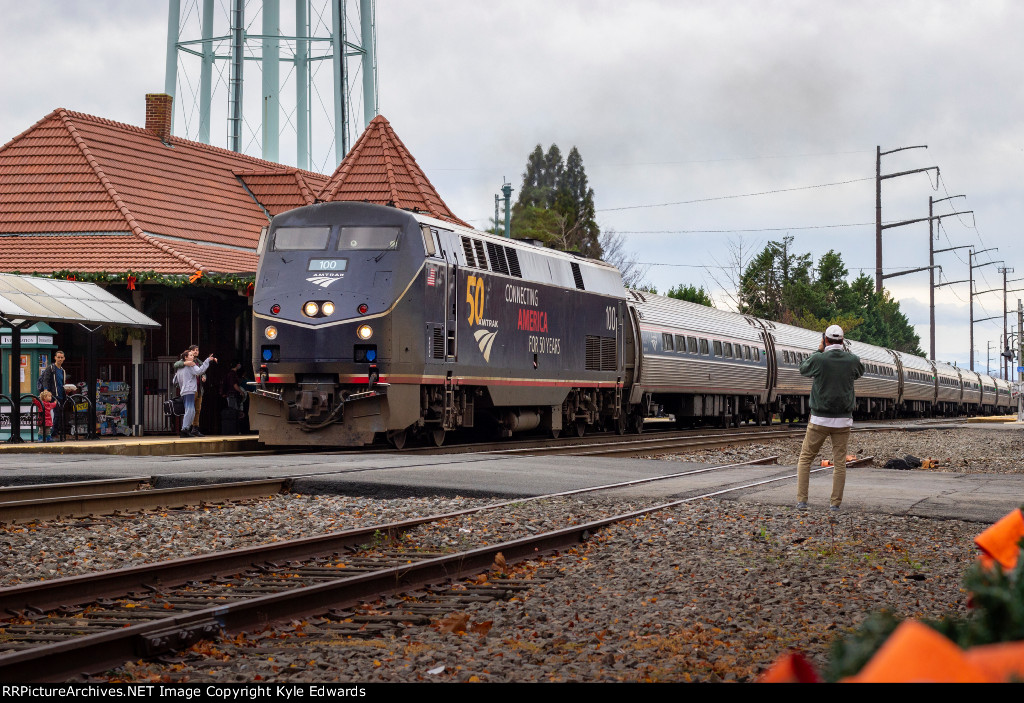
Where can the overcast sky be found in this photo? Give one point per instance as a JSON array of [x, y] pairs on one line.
[[669, 101]]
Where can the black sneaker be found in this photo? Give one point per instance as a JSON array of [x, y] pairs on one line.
[[184, 434], [196, 433]]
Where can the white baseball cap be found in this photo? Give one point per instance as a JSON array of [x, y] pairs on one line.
[[834, 332]]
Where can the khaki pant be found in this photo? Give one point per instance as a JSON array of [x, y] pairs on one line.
[[815, 437]]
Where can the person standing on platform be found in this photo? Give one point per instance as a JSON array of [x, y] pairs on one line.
[[187, 378], [200, 380], [53, 379], [832, 402]]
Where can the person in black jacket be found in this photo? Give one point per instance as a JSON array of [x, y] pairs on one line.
[[53, 378], [832, 403]]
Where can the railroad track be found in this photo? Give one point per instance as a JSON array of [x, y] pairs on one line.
[[106, 497], [63, 628]]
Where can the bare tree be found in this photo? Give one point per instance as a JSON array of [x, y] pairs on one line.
[[727, 276], [613, 244]]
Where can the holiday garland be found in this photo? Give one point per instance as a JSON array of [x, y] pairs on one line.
[[239, 281]]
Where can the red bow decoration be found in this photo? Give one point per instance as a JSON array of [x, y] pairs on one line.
[[131, 282], [249, 289], [72, 278], [195, 276]]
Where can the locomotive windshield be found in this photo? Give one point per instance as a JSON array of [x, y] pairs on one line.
[[368, 238], [301, 238]]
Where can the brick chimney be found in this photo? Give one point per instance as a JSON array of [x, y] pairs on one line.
[[159, 109]]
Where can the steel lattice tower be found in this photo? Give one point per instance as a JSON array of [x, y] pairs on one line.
[[313, 56]]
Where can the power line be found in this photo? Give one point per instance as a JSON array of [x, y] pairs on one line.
[[727, 231], [731, 197]]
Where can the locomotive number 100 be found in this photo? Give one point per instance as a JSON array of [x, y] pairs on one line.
[[611, 318]]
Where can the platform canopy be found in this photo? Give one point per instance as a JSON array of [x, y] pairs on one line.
[[52, 300]]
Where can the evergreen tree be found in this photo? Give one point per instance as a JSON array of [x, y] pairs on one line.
[[780, 285], [691, 293], [555, 204]]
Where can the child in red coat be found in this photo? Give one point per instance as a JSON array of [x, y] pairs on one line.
[[46, 420]]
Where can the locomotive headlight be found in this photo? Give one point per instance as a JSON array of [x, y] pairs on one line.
[[311, 309], [364, 332], [327, 308], [270, 332]]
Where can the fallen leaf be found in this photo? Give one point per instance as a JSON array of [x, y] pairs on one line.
[[455, 622]]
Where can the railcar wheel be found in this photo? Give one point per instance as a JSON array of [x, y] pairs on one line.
[[397, 438], [437, 436], [581, 428]]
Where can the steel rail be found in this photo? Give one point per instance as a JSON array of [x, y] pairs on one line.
[[40, 491], [64, 660], [109, 503]]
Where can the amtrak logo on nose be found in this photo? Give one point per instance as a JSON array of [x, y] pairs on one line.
[[323, 281]]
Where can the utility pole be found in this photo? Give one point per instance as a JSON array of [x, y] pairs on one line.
[[1004, 270], [1020, 361], [878, 203], [970, 260], [931, 265]]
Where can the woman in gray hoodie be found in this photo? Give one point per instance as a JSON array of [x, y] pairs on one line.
[[186, 377]]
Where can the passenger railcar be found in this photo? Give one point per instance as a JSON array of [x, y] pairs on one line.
[[371, 321]]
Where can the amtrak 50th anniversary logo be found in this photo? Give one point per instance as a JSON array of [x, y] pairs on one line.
[[475, 298]]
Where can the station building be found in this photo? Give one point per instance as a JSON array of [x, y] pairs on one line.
[[170, 226]]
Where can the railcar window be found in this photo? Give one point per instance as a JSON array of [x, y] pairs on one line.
[[728, 350], [704, 347], [428, 240], [368, 238], [680, 343], [746, 352], [691, 345], [785, 356], [666, 342], [301, 238], [718, 348], [757, 354]]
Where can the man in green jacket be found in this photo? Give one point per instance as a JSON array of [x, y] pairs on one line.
[[832, 402]]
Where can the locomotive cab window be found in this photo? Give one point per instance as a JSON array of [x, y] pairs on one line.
[[428, 241], [368, 238], [300, 238]]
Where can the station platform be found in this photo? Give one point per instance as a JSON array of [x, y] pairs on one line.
[[155, 445]]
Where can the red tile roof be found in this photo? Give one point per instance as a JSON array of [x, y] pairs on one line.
[[379, 169], [73, 185]]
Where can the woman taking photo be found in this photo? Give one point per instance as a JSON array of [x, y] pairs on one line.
[[186, 378]]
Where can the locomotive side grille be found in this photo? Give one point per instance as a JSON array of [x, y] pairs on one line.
[[609, 360], [497, 255], [481, 260], [602, 353], [513, 262], [437, 348], [467, 249], [577, 275]]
